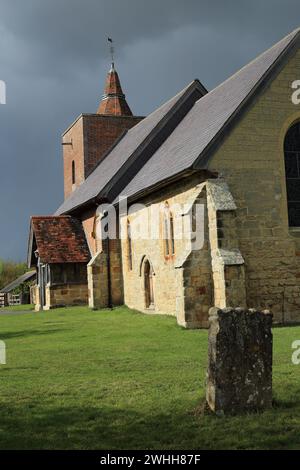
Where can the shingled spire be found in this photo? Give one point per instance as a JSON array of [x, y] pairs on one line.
[[113, 101]]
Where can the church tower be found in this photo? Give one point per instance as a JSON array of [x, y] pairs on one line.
[[89, 138], [113, 101]]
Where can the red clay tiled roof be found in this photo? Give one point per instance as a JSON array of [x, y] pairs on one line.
[[60, 239], [113, 101]]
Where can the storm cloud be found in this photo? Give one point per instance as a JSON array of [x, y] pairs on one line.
[[54, 59]]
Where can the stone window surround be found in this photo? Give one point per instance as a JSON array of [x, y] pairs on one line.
[[288, 150], [129, 246], [143, 261], [167, 231], [290, 121]]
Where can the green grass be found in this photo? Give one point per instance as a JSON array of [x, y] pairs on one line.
[[16, 308], [77, 379]]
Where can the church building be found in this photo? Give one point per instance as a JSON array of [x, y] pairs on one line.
[[215, 173]]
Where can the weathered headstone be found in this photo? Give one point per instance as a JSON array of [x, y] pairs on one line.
[[239, 376]]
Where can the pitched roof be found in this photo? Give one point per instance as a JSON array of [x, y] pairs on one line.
[[134, 148], [191, 143], [29, 276], [58, 239], [113, 101]]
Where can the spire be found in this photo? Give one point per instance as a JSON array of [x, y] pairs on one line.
[[113, 101]]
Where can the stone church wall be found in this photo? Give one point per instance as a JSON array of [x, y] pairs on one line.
[[66, 295], [251, 160], [99, 265], [181, 283]]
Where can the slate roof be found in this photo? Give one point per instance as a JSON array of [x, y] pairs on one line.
[[189, 144], [29, 276], [210, 117], [58, 239], [128, 149]]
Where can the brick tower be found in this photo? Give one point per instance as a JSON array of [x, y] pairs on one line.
[[88, 139]]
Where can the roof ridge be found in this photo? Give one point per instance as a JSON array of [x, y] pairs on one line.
[[17, 281], [293, 34], [178, 100], [181, 92], [127, 131], [182, 96], [292, 39], [210, 120]]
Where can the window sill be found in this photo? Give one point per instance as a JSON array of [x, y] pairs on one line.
[[169, 257], [151, 308]]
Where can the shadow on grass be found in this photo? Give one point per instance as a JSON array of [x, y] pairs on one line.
[[286, 404], [33, 427], [25, 333], [36, 425], [15, 312], [286, 325]]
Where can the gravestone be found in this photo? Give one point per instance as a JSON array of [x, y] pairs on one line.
[[239, 376], [2, 352]]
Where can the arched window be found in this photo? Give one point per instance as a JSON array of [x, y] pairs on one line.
[[129, 245], [168, 232], [148, 283], [172, 241], [292, 173], [73, 173]]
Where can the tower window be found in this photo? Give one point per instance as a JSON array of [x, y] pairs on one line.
[[292, 173], [73, 173]]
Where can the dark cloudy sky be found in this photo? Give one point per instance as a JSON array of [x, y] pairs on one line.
[[54, 58]]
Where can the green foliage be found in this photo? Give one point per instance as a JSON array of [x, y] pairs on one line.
[[24, 288], [9, 271], [78, 379]]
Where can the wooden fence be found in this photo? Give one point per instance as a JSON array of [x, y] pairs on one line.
[[10, 299], [3, 300], [14, 299]]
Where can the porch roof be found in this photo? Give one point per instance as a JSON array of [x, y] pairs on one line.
[[57, 239]]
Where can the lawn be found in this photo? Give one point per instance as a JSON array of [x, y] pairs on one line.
[[77, 379]]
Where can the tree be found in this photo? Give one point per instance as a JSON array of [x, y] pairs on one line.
[[9, 271]]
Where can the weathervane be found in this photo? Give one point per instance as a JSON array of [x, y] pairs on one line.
[[112, 51]]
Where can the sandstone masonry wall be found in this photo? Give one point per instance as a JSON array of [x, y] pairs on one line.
[[66, 295], [251, 160], [181, 283]]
